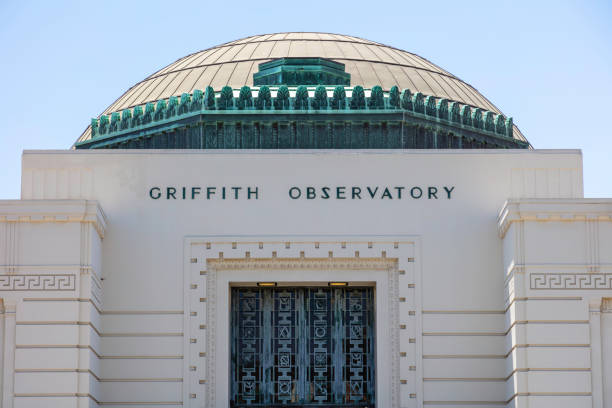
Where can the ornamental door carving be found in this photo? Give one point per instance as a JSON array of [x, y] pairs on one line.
[[302, 347]]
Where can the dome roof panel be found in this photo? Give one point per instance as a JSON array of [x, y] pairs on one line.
[[201, 57], [213, 58], [331, 48], [188, 84], [280, 50], [469, 93], [431, 81], [223, 75], [315, 48], [263, 50], [368, 73], [140, 93], [380, 54], [310, 36], [397, 76], [365, 52], [348, 50], [449, 89], [177, 81], [207, 76], [230, 53], [247, 51], [326, 36], [244, 40], [185, 62], [234, 63], [407, 59], [277, 36], [160, 89], [418, 80], [242, 71]]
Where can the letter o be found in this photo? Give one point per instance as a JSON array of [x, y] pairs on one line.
[[299, 193], [418, 189]]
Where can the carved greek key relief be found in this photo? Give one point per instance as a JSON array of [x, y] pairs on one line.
[[565, 281], [37, 282]]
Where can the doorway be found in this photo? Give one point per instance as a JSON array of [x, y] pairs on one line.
[[302, 347]]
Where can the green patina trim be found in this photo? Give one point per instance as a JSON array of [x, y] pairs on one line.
[[301, 71], [163, 112]]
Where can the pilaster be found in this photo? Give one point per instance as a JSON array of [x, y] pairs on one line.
[[8, 354], [51, 291], [555, 281]]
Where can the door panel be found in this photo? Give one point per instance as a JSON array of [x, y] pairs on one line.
[[302, 347]]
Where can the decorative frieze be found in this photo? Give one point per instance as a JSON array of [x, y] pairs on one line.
[[303, 263], [561, 281], [60, 282], [252, 116]]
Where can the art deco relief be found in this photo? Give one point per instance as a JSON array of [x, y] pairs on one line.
[[37, 282], [570, 281], [219, 262]]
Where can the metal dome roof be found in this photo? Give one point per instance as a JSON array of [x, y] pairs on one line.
[[234, 63]]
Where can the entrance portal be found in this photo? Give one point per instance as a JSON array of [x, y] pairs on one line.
[[302, 347]]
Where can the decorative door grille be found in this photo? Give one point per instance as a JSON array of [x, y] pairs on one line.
[[301, 347]]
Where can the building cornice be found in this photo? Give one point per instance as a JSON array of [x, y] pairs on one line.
[[558, 210], [302, 103], [54, 211]]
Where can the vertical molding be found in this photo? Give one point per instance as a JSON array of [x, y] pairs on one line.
[[2, 335], [84, 286], [16, 246], [592, 244], [26, 183], [517, 287], [553, 182], [521, 358], [186, 323], [393, 304], [4, 245], [50, 184], [8, 368], [37, 184], [606, 311], [577, 186], [86, 268], [596, 354], [418, 305], [594, 241], [211, 333], [11, 245], [520, 243], [588, 245]]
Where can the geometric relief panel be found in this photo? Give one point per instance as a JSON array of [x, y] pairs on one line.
[[37, 282], [571, 281], [302, 346]]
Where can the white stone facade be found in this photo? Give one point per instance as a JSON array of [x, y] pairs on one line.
[[494, 289]]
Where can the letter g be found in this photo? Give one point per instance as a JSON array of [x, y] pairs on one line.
[[155, 193]]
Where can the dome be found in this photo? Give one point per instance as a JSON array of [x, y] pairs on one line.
[[234, 63]]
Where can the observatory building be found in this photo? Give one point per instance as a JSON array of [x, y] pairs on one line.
[[304, 220]]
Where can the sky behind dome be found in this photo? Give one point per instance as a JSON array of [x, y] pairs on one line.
[[548, 64]]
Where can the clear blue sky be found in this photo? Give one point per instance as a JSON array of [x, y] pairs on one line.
[[546, 63]]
